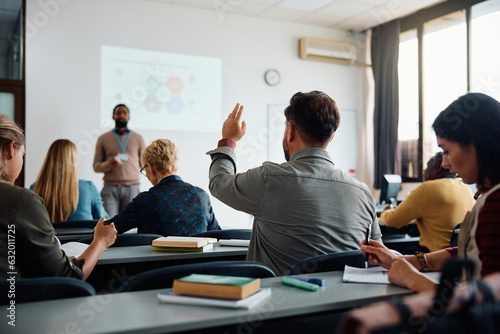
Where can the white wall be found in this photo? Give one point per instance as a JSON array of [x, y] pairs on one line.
[[63, 78]]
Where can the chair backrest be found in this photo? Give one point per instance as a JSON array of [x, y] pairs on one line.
[[164, 277], [44, 288], [454, 236], [243, 234], [329, 262], [128, 239], [76, 224]]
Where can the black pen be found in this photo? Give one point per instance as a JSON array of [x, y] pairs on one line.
[[367, 242], [110, 220]]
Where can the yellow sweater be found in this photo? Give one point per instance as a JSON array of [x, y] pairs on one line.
[[438, 206]]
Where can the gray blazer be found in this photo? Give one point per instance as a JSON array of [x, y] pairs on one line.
[[301, 208]]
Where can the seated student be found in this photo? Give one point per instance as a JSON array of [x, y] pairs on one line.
[[438, 204], [385, 314], [303, 207], [24, 218], [468, 131], [171, 206], [66, 197]]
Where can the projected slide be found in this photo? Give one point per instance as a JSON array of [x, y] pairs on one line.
[[164, 91]]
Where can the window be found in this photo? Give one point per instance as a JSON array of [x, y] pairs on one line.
[[444, 72], [485, 49], [434, 70], [408, 127], [12, 78]]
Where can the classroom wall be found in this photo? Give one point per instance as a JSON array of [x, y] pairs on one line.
[[63, 76]]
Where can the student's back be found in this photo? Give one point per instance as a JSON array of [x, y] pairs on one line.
[[304, 207], [438, 206], [308, 208], [89, 205]]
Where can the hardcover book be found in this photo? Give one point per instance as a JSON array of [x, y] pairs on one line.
[[201, 249], [228, 287], [174, 241]]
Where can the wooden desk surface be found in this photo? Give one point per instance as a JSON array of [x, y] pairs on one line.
[[141, 312]]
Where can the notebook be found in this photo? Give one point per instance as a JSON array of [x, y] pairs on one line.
[[246, 303]]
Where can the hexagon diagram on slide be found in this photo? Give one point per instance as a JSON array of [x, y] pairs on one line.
[[175, 105], [175, 84]]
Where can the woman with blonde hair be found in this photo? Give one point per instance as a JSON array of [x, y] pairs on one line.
[[171, 206], [23, 216], [66, 197]]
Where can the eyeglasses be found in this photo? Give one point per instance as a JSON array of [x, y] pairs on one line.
[[143, 170]]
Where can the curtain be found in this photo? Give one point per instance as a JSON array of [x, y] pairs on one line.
[[384, 54], [365, 170]]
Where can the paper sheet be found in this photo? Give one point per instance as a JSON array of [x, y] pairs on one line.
[[234, 242], [247, 303], [362, 275], [376, 275], [74, 248]]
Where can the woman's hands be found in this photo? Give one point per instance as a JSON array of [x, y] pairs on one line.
[[378, 254], [105, 234]]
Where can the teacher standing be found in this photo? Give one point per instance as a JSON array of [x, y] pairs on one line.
[[117, 155]]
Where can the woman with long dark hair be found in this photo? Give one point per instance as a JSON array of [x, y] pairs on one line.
[[468, 131]]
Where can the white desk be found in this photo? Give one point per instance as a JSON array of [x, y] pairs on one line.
[[400, 239], [117, 264], [136, 254], [141, 312]]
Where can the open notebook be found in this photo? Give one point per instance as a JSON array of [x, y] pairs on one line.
[[376, 275], [74, 248]]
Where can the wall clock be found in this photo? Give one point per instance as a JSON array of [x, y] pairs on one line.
[[272, 77]]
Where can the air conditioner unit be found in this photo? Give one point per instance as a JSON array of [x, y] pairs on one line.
[[328, 51]]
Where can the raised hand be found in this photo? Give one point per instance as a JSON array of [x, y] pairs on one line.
[[233, 128]]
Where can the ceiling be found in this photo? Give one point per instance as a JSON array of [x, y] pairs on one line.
[[342, 14]]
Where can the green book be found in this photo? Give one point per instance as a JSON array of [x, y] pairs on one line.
[[217, 286]]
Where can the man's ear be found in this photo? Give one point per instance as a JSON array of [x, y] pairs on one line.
[[331, 138], [292, 132], [152, 169], [11, 150]]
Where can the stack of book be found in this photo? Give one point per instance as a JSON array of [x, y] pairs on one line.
[[216, 290], [183, 244]]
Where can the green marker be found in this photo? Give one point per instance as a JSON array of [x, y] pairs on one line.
[[299, 284]]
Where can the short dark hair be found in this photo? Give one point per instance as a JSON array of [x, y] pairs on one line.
[[474, 118], [315, 116], [120, 105]]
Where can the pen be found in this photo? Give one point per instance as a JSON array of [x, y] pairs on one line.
[[367, 242], [110, 220]]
